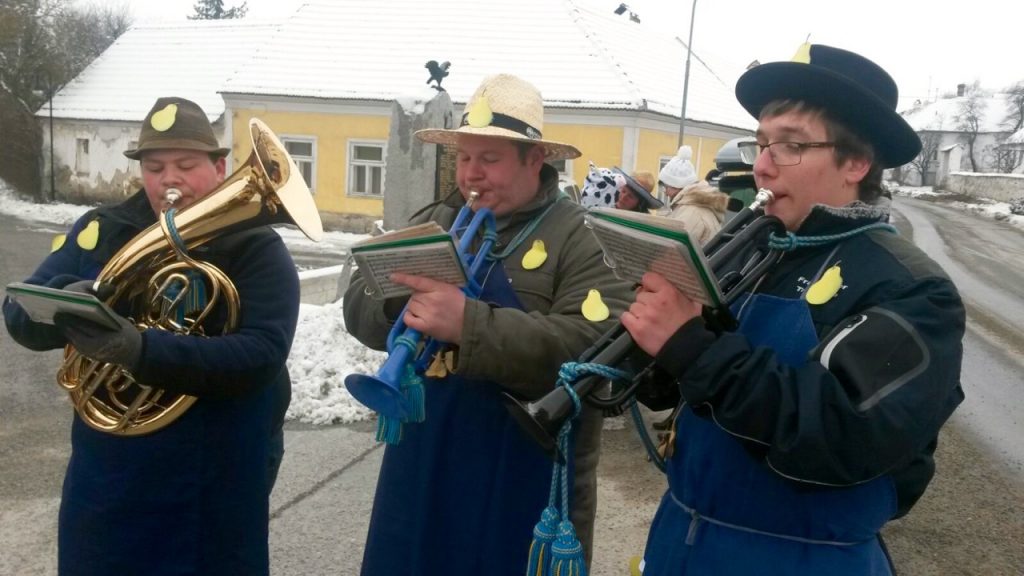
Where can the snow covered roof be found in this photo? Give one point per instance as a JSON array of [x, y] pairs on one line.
[[579, 57], [190, 59], [942, 115]]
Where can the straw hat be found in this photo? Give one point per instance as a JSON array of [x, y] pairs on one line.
[[179, 124], [504, 106]]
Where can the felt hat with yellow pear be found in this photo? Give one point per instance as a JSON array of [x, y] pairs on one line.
[[176, 123], [851, 88], [504, 106]]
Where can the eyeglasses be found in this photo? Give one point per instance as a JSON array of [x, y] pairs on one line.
[[782, 153]]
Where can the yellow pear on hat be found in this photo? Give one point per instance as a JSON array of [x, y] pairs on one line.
[[480, 114], [803, 53], [164, 119]]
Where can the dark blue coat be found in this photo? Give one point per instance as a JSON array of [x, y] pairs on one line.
[[800, 440], [193, 497]]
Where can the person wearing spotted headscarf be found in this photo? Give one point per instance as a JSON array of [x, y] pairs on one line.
[[191, 497], [461, 491]]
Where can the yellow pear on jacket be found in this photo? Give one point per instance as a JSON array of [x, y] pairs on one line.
[[827, 287], [594, 308]]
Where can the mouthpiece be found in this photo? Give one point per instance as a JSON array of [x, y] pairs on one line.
[[171, 196], [764, 196], [473, 195]]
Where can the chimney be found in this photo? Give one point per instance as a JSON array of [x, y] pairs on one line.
[[960, 89]]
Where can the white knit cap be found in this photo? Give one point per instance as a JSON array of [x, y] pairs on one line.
[[679, 172]]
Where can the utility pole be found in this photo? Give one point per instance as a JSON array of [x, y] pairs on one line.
[[686, 75]]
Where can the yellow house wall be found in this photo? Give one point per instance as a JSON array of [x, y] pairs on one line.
[[333, 133], [654, 144], [600, 144]]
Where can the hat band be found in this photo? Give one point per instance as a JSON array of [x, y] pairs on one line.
[[509, 123]]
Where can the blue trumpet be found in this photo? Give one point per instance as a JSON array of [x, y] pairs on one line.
[[382, 393]]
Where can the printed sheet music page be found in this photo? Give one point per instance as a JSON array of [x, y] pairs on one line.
[[635, 243], [422, 250]]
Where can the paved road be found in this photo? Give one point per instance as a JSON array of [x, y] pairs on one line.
[[968, 522]]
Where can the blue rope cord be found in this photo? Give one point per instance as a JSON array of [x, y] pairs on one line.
[[523, 234], [169, 220], [791, 241]]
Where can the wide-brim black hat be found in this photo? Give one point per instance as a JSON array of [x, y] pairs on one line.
[[643, 193], [853, 89]]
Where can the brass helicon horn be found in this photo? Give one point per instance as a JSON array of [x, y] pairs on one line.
[[543, 418], [154, 275]]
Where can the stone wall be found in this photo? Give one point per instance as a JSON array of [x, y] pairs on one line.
[[320, 286], [998, 187]]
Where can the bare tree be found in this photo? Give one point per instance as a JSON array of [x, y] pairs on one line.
[[968, 120], [929, 155], [1005, 159], [1015, 107], [43, 45], [214, 10]]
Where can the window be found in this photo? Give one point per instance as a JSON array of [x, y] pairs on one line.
[[82, 157], [564, 168], [366, 168], [303, 151]]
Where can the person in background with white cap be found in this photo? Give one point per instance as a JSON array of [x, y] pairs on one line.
[[462, 491], [814, 423], [698, 204]]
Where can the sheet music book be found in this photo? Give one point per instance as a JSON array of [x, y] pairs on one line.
[[422, 250], [635, 243], [41, 303]]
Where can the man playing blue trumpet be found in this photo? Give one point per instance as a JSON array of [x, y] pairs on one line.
[[461, 492]]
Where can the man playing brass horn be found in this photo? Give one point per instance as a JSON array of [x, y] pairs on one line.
[[461, 492], [191, 497], [814, 423]]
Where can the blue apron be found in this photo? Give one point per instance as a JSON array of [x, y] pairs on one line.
[[462, 491], [727, 514]]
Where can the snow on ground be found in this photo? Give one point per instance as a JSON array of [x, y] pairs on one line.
[[983, 206]]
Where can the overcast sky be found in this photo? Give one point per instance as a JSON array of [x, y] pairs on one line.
[[928, 47]]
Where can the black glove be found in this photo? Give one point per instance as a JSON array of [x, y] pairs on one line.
[[85, 287], [121, 346]]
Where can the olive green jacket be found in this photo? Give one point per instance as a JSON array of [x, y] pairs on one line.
[[522, 350]]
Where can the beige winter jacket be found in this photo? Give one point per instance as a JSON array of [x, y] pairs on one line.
[[701, 207]]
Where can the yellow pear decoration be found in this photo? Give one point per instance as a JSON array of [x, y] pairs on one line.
[[827, 287], [89, 236], [535, 256], [634, 566], [58, 242], [594, 309], [803, 53], [480, 113], [164, 119]]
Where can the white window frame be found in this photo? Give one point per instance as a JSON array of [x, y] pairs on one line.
[[351, 164], [567, 174], [82, 156], [312, 141]]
